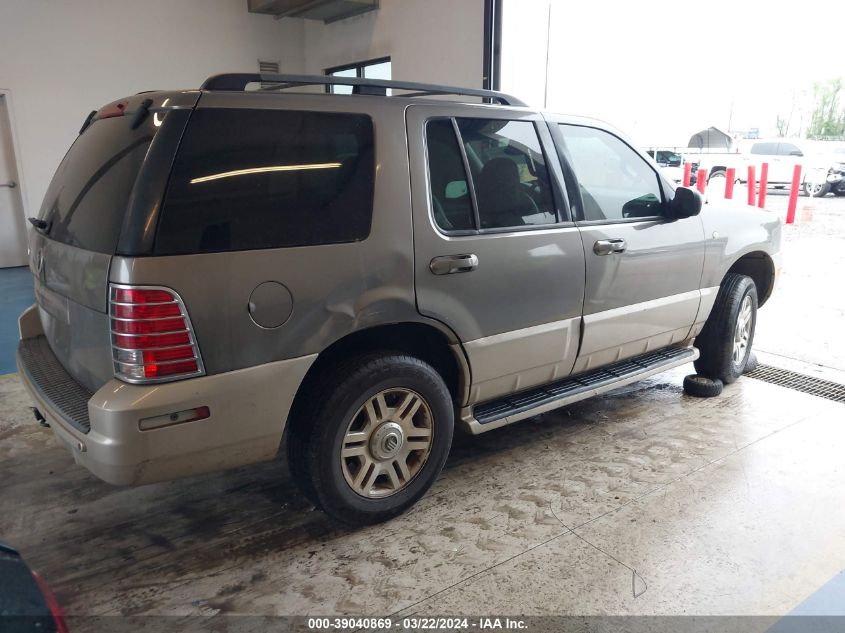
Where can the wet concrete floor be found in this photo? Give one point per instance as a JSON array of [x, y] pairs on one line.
[[644, 501]]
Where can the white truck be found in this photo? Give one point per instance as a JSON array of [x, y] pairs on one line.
[[821, 171]]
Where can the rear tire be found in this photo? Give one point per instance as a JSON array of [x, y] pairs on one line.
[[817, 190], [377, 436], [701, 386], [726, 339]]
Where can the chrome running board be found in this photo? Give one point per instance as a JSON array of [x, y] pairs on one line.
[[525, 404]]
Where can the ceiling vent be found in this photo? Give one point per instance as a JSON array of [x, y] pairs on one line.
[[267, 68], [325, 10]]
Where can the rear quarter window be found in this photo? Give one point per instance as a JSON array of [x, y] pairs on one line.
[[252, 179]]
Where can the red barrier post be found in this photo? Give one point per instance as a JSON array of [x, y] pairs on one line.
[[752, 182], [701, 180], [764, 183], [687, 174], [730, 176], [793, 194]]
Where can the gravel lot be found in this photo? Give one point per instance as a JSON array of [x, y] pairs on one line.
[[804, 319]]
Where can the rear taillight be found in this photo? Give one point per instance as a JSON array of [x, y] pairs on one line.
[[152, 337]]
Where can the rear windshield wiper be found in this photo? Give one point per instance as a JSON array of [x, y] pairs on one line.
[[141, 114], [88, 121], [41, 225]]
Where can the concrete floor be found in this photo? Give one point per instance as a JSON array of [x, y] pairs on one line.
[[644, 501], [806, 315], [16, 295]]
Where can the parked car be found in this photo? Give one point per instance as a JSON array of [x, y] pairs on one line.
[[221, 271], [671, 164], [819, 174], [26, 603], [838, 167]]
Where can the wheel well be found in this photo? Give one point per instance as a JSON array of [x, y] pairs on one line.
[[759, 266], [415, 339]]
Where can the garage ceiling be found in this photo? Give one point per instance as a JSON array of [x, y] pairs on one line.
[[325, 10]]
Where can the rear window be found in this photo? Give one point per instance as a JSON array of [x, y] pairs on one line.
[[87, 198], [251, 179]]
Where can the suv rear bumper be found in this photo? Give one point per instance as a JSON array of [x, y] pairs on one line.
[[248, 411]]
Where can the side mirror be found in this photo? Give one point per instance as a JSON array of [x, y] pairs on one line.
[[796, 152], [686, 203]]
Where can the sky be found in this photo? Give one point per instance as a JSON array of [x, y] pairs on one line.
[[662, 70]]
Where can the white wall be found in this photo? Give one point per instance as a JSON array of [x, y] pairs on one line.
[[60, 59], [63, 58], [437, 41]]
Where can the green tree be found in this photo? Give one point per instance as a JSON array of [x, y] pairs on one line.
[[828, 118]]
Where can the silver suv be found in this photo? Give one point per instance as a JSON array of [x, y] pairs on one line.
[[222, 272]]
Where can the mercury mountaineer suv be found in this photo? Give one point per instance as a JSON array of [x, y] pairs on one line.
[[225, 273]]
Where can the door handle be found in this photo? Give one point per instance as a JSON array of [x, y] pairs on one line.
[[10, 185], [606, 247], [448, 264]]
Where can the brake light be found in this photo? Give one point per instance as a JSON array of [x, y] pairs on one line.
[[152, 337], [113, 109]]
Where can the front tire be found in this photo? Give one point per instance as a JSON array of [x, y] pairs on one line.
[[378, 436], [726, 339], [717, 183]]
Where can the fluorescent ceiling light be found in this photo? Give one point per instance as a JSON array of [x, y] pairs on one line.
[[264, 170]]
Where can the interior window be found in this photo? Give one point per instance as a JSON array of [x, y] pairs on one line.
[[450, 198], [615, 182], [512, 186], [372, 69]]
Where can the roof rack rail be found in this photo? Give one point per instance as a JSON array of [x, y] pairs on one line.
[[238, 81]]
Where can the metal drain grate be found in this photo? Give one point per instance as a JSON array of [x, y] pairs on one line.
[[799, 382]]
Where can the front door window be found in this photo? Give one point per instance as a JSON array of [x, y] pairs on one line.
[[616, 182]]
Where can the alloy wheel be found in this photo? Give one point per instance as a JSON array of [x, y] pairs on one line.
[[387, 443], [742, 332]]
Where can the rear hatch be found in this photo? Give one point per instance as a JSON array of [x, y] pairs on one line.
[[111, 178]]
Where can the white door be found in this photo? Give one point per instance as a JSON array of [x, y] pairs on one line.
[[784, 163], [12, 222]]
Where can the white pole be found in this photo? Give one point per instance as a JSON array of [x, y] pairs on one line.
[[548, 42]]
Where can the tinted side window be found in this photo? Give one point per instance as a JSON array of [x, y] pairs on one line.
[[247, 179], [450, 199], [616, 183], [788, 149], [764, 148], [509, 171]]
